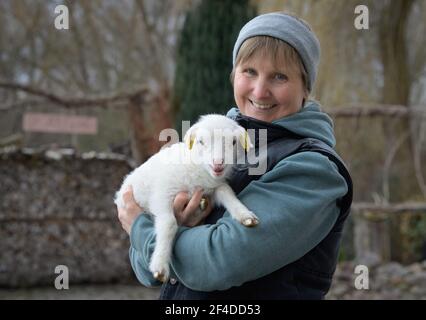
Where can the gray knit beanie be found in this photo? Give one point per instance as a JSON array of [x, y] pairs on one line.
[[289, 29]]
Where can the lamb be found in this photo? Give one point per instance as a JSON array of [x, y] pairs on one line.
[[197, 162]]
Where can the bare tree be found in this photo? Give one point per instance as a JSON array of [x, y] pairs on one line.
[[110, 48]]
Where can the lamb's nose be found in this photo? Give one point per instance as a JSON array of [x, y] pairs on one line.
[[218, 162]]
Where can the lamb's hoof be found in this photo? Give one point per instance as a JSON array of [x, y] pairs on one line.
[[250, 222], [160, 276]]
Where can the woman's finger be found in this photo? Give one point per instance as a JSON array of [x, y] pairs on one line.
[[194, 203], [180, 202], [128, 195], [130, 204]]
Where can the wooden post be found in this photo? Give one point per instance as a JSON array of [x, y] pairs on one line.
[[372, 237], [147, 117]]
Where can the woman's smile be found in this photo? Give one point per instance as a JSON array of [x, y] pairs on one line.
[[262, 106]]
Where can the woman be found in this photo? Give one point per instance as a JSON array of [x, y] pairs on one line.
[[302, 200]]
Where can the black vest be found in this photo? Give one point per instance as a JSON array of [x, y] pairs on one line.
[[306, 278]]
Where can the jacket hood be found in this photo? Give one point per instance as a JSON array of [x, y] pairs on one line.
[[309, 122]]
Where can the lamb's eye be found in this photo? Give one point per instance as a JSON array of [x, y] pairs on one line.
[[234, 141], [201, 142]]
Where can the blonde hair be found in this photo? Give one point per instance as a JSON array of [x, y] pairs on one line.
[[279, 51]]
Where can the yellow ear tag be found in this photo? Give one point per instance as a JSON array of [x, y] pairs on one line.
[[244, 140], [190, 142]]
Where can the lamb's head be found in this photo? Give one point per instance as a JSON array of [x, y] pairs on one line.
[[215, 142]]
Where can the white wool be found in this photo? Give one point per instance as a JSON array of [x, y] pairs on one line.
[[197, 162]]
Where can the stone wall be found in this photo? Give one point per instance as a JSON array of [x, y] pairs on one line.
[[56, 208]]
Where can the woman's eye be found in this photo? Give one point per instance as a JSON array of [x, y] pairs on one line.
[[250, 71], [281, 77]]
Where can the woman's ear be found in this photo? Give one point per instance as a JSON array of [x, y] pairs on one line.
[[232, 76], [306, 96]]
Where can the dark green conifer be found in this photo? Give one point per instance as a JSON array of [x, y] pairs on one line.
[[204, 58]]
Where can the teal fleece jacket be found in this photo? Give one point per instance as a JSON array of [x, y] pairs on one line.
[[296, 206]]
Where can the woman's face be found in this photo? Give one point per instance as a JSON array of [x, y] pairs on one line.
[[264, 92]]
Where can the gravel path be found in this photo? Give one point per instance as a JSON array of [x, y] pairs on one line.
[[83, 292], [391, 281]]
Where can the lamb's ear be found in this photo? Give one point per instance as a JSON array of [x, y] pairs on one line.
[[190, 137], [244, 139]]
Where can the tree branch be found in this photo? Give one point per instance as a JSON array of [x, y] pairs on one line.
[[374, 110], [100, 101], [390, 208], [21, 104]]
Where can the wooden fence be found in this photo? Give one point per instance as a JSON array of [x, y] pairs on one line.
[[372, 229], [373, 236]]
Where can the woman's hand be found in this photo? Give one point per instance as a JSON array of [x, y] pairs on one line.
[[130, 212], [187, 211]]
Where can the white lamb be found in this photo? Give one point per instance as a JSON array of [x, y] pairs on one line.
[[198, 162]]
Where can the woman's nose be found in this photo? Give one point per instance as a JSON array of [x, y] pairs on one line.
[[260, 89]]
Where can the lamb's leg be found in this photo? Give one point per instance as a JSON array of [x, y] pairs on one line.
[[226, 196], [165, 228]]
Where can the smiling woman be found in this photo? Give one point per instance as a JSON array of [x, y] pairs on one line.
[[269, 79], [302, 200]]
